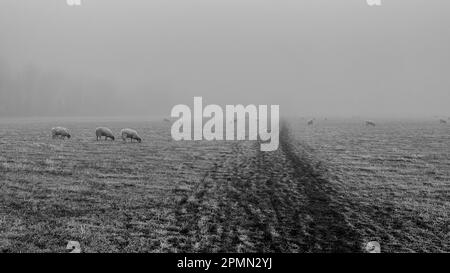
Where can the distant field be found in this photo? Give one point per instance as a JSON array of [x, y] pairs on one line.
[[331, 187]]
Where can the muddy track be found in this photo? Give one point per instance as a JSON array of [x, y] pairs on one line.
[[328, 229], [252, 201]]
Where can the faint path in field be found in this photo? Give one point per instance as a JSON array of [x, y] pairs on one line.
[[252, 201], [328, 229]]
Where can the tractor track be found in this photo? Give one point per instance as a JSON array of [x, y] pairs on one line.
[[252, 201]]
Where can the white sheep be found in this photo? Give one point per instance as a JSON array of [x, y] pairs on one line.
[[104, 132], [60, 132], [370, 123], [131, 134]]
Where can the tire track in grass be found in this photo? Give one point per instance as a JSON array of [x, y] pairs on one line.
[[253, 201], [327, 229], [254, 192], [284, 199], [217, 214], [245, 203], [189, 210]]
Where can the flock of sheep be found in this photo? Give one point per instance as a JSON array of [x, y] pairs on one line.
[[133, 135], [371, 123], [368, 122], [61, 132]]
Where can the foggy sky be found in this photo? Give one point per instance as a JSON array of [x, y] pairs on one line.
[[313, 57]]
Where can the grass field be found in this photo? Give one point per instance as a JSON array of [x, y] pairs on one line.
[[395, 177], [328, 188]]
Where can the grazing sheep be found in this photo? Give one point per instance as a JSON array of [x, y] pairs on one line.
[[60, 132], [370, 123], [131, 134], [104, 132], [166, 120], [311, 122], [443, 121]]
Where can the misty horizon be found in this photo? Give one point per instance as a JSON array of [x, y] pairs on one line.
[[137, 58]]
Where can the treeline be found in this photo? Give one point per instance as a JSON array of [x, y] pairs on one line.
[[33, 92]]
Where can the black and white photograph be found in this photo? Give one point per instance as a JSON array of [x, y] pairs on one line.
[[224, 126]]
